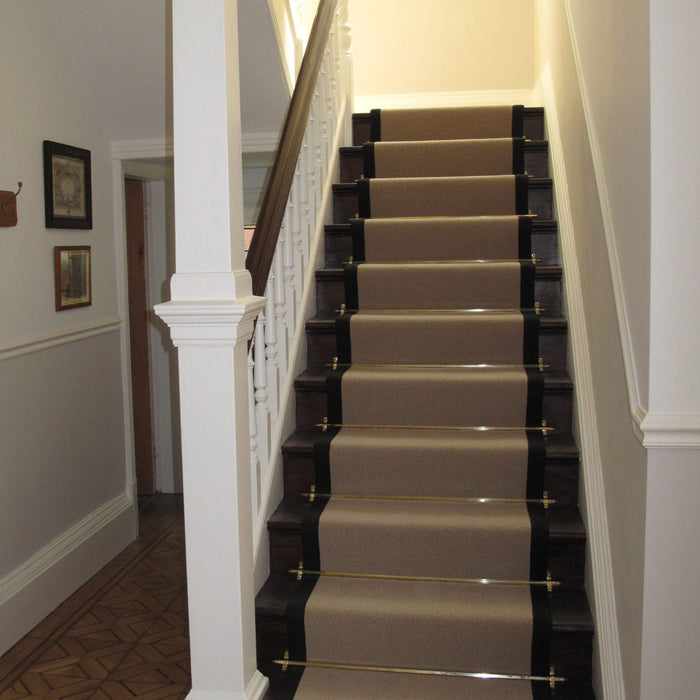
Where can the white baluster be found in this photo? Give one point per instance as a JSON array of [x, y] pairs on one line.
[[280, 312], [262, 413], [271, 348], [290, 296], [254, 461]]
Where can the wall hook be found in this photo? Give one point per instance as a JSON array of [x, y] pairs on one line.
[[8, 207]]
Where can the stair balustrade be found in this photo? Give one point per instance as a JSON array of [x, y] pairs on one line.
[[288, 233]]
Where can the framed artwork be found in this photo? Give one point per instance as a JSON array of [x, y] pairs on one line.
[[67, 186], [72, 277]]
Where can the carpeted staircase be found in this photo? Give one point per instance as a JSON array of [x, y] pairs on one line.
[[430, 515]]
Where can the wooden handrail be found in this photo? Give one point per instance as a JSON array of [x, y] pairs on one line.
[[269, 223]]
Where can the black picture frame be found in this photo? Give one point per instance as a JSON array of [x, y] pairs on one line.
[[67, 186]]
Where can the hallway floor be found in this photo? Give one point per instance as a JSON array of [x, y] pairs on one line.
[[123, 634]]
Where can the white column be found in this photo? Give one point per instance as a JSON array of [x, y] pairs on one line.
[[211, 318]]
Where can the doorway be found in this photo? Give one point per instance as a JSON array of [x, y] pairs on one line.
[[154, 377]]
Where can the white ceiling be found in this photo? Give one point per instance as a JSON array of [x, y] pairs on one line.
[[121, 50]]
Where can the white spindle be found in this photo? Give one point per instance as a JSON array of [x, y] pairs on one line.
[[280, 313], [271, 348], [262, 412]]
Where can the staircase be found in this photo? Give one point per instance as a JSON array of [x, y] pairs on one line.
[[561, 636]]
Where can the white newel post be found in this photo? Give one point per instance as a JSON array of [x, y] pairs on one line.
[[211, 318]]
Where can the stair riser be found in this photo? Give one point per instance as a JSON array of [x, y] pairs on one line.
[[570, 652], [352, 165], [533, 126], [312, 406], [339, 248], [560, 478], [330, 292], [346, 206], [321, 349]]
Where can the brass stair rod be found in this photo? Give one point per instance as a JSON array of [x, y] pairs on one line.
[[429, 499], [537, 309], [551, 679], [487, 261], [470, 428], [335, 365], [300, 572]]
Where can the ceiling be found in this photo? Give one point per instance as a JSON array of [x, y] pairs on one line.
[[122, 52]]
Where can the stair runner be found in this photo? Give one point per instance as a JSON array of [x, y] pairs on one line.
[[425, 547]]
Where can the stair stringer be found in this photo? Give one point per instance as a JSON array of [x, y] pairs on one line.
[[607, 675], [271, 491]]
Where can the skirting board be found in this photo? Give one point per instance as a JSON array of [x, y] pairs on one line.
[[604, 605], [34, 589], [255, 690], [364, 103]]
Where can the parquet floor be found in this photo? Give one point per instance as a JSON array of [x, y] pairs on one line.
[[123, 634]]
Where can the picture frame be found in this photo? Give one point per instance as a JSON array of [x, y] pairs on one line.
[[72, 277], [67, 186]]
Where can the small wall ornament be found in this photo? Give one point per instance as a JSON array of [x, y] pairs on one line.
[[8, 207]]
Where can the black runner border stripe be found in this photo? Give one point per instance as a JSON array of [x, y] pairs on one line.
[[518, 120], [531, 337], [536, 459], [334, 381], [521, 194], [369, 167], [309, 533], [541, 637], [524, 237], [375, 128], [539, 541], [343, 338], [322, 460], [352, 299], [518, 155], [363, 199], [535, 393], [527, 285], [357, 231], [296, 629]]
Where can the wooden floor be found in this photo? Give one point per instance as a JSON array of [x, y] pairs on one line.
[[123, 634]]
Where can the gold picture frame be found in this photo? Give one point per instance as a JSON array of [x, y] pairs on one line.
[[72, 277]]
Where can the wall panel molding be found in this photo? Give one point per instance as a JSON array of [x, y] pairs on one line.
[[27, 345]]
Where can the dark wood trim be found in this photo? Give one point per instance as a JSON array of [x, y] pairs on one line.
[[262, 247]]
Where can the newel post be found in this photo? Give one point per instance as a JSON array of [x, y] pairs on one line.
[[211, 315]]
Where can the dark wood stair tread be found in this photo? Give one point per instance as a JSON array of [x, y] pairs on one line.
[[541, 271]]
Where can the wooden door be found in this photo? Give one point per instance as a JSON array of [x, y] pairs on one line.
[[138, 333]]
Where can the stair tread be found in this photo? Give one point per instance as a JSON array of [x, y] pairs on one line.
[[569, 608], [559, 445], [541, 271], [316, 379], [564, 522], [539, 225], [325, 322]]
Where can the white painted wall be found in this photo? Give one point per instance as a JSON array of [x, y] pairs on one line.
[[65, 477], [597, 141], [672, 428], [409, 47]]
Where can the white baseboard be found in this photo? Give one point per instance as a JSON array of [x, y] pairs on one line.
[[603, 602], [255, 690], [529, 98], [32, 590]]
